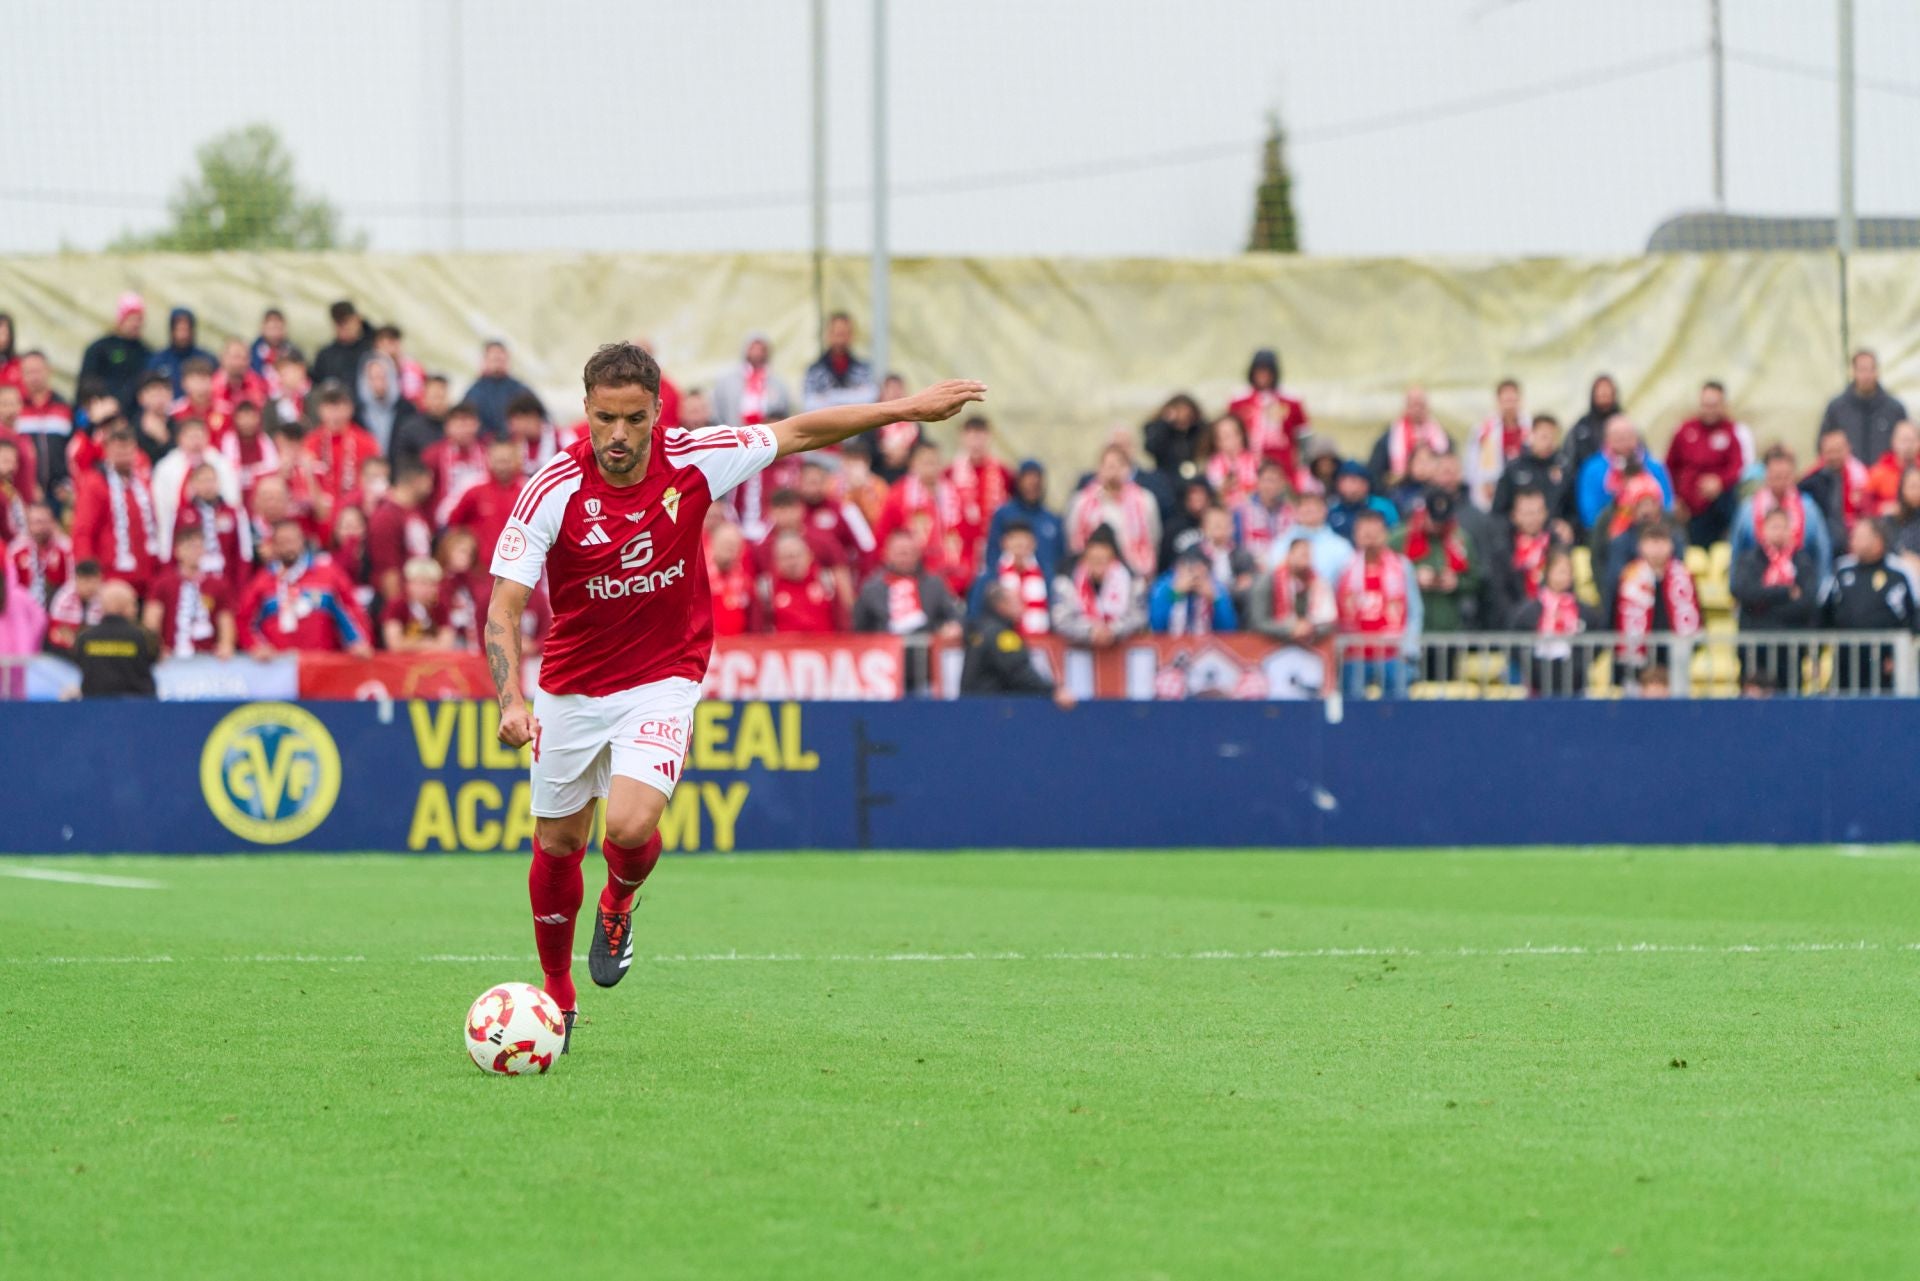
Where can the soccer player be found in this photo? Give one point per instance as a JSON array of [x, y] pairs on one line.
[[614, 521]]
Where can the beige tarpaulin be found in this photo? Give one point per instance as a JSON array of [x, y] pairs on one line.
[[1074, 348]]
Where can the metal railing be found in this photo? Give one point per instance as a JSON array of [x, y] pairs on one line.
[[1790, 664]]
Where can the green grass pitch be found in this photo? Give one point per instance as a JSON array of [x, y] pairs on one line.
[[1356, 1065]]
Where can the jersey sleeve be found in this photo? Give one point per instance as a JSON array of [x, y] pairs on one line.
[[531, 531], [725, 455]]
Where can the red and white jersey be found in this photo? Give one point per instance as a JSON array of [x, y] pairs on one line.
[[626, 566]]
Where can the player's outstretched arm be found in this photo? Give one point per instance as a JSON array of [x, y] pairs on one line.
[[822, 427], [517, 725]]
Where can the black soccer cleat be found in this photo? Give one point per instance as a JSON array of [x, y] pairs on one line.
[[566, 1043], [612, 950]]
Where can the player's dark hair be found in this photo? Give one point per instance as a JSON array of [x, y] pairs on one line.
[[526, 403], [621, 364]]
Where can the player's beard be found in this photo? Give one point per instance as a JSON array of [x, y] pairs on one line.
[[616, 465]]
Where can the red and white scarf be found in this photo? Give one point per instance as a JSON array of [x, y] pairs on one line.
[[1232, 475], [1628, 492], [1306, 598], [1559, 616], [753, 396], [252, 457], [1129, 514], [933, 514], [906, 612], [1420, 536], [1499, 442], [1258, 527], [1406, 435], [1780, 571], [192, 623], [1765, 502], [1373, 600], [1638, 586], [117, 491], [14, 519], [980, 490], [1530, 558], [1029, 587], [1108, 600]]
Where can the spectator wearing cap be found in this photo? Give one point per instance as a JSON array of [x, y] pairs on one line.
[[1806, 524], [1017, 568], [1381, 609], [339, 361], [998, 662], [838, 377], [1101, 602], [1837, 485], [190, 607], [417, 619], [1654, 594], [1275, 420], [1414, 429], [183, 345], [1868, 592], [1778, 588], [1175, 438], [1543, 468], [116, 655], [115, 360], [1497, 441], [1187, 601], [114, 521], [1113, 501], [1353, 494], [1865, 411], [1028, 506], [1706, 458], [1446, 569], [495, 388], [750, 392], [902, 598], [337, 448], [1330, 551]]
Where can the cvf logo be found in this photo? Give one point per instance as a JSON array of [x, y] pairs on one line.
[[636, 551]]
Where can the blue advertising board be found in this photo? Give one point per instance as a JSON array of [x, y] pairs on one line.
[[430, 777]]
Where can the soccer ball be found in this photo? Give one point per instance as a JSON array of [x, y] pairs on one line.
[[514, 1029]]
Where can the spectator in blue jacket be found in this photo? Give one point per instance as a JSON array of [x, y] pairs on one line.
[[1599, 474], [1186, 601], [1780, 491], [1028, 506], [1353, 494], [1330, 551], [183, 344], [495, 387]]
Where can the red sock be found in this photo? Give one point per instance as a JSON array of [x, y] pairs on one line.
[[627, 867], [555, 888]]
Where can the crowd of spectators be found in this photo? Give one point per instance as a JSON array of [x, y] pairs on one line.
[[259, 501]]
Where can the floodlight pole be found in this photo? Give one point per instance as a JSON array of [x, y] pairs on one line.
[[1717, 49], [1846, 232], [819, 50], [881, 264], [456, 90]]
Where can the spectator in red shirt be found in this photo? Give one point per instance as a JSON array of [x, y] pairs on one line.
[[113, 520], [301, 601], [1276, 421], [235, 381], [417, 619], [800, 597], [389, 342], [466, 586], [272, 503], [226, 537], [9, 357], [49, 420], [736, 605], [74, 608], [923, 503], [291, 386], [42, 558], [25, 479], [197, 399], [1705, 460], [398, 530], [839, 520], [376, 477], [1883, 478], [249, 449], [189, 608], [171, 475], [454, 462], [981, 483], [786, 514], [485, 507], [348, 547], [338, 447]]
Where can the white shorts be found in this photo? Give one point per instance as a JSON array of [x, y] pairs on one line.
[[638, 733]]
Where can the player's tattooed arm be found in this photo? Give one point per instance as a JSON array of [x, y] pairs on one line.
[[819, 428], [502, 643]]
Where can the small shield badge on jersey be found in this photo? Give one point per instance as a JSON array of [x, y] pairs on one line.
[[671, 502], [593, 509]]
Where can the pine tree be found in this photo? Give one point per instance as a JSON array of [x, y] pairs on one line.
[[1275, 229]]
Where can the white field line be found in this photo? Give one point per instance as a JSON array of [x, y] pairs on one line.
[[915, 958], [82, 878]]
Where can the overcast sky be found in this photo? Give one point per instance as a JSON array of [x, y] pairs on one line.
[[1109, 127]]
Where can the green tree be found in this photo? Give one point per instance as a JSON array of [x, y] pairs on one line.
[[1275, 229], [244, 197]]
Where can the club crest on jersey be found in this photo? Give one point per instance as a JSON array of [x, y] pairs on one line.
[[593, 508], [671, 502]]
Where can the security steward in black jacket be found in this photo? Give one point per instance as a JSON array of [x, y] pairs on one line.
[[116, 655], [998, 661], [1867, 592]]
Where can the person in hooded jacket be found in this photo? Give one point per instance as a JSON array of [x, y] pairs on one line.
[[114, 362], [1589, 433], [183, 345]]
